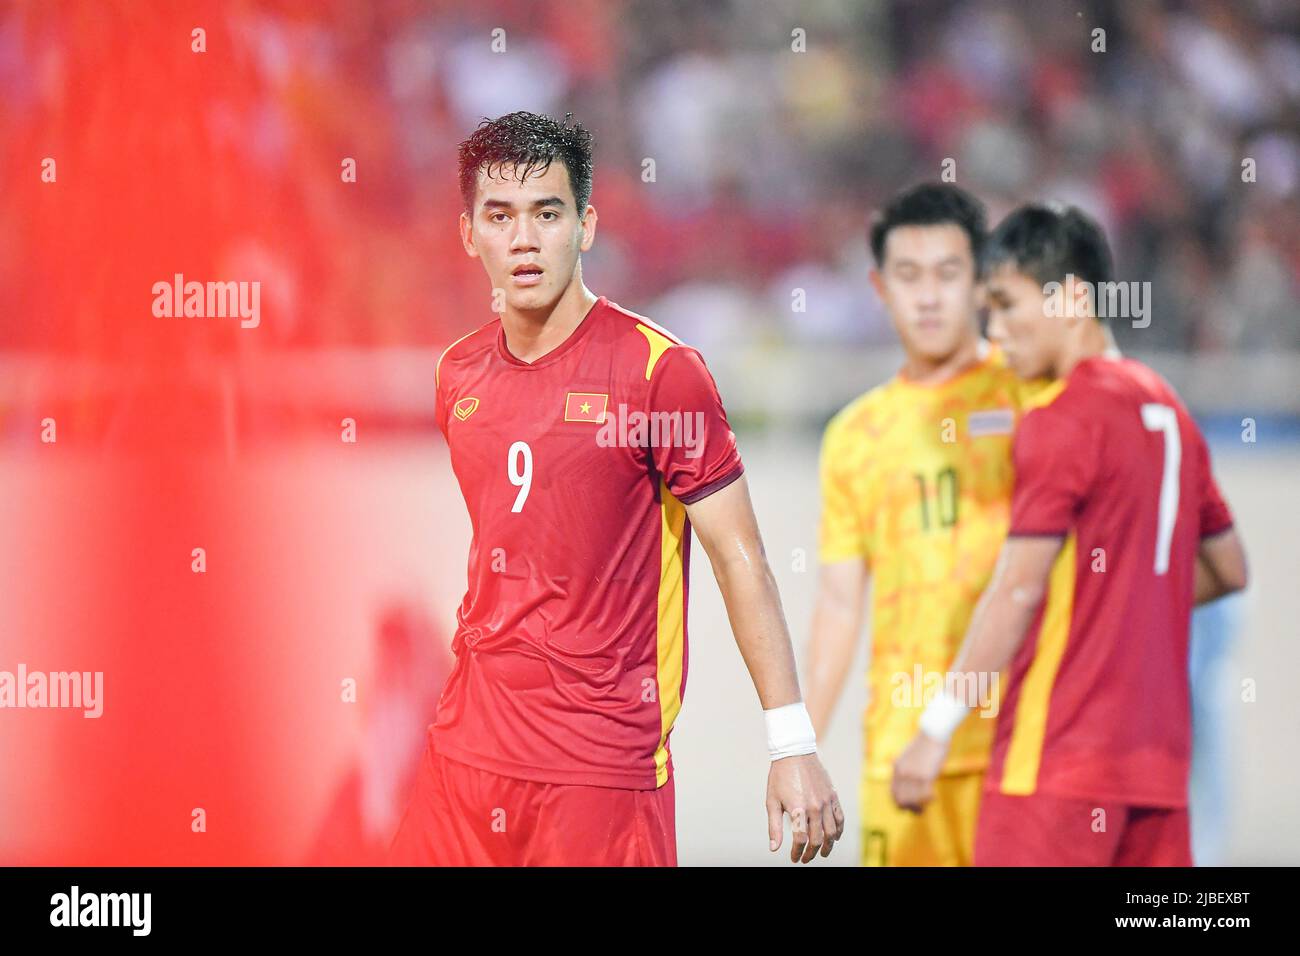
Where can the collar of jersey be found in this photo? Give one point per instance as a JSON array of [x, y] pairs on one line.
[[556, 353], [988, 355]]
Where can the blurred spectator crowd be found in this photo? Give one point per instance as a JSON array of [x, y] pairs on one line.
[[766, 160]]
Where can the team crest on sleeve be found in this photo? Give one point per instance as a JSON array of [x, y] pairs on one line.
[[585, 407], [464, 408], [992, 421]]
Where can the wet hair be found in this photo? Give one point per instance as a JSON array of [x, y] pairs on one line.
[[930, 204], [528, 142]]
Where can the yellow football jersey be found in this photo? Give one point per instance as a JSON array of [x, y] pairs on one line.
[[916, 481]]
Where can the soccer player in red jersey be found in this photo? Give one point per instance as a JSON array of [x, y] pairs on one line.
[[589, 444], [1117, 529]]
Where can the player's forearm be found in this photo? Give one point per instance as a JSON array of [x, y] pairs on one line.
[[758, 623], [996, 631], [830, 655]]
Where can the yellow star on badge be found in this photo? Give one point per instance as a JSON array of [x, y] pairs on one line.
[[586, 408]]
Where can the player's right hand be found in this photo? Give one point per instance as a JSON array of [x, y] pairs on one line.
[[801, 788], [915, 772]]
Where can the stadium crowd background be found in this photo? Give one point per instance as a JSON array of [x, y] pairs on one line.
[[332, 561], [781, 155]]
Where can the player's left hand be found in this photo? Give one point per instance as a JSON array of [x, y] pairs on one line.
[[915, 771], [801, 787]]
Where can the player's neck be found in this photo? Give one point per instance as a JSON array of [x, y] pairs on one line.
[[530, 334], [1093, 339], [923, 370]]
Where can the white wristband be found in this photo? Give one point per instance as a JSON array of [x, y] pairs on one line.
[[942, 716], [789, 731]]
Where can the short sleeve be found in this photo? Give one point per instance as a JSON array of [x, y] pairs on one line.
[[440, 389], [439, 409], [1215, 516], [841, 535], [696, 453], [1055, 460], [439, 402]]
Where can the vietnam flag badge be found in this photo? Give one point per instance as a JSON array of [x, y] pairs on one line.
[[585, 407]]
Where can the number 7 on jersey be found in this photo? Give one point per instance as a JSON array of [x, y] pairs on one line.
[[1162, 418]]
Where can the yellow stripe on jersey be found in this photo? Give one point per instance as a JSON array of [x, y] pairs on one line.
[[671, 622], [1040, 392], [438, 367], [1025, 752], [912, 489], [659, 344]]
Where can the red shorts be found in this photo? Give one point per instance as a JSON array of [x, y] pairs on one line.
[[463, 816], [1042, 830]]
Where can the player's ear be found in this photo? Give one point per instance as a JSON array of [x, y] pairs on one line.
[[877, 282], [588, 228], [995, 330], [1078, 297], [467, 235]]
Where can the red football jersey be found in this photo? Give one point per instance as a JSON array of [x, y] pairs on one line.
[[1097, 702], [570, 643]]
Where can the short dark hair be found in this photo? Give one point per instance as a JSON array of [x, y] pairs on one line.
[[931, 204], [529, 142], [1048, 241]]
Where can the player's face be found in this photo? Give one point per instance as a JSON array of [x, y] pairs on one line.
[[528, 234], [1022, 322], [927, 282]]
